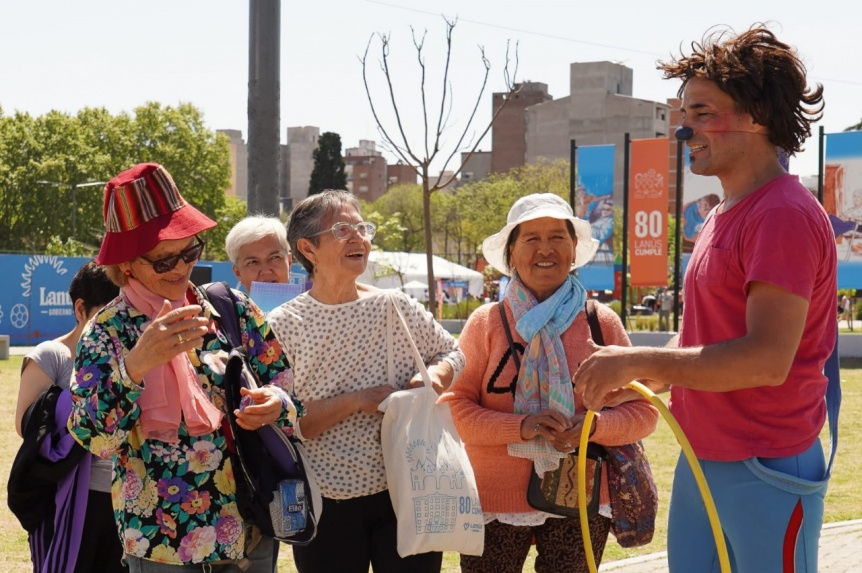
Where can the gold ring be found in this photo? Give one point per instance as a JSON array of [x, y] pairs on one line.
[[180, 336]]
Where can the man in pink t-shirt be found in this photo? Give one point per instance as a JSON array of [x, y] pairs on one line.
[[746, 371]]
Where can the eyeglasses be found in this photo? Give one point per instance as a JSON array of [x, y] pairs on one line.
[[342, 231], [189, 255]]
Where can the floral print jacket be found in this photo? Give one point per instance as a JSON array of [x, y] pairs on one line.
[[174, 503]]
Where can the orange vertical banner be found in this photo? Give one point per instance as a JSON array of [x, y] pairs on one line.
[[648, 204]]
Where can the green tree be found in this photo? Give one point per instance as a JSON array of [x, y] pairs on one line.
[[43, 159], [328, 171], [403, 204], [857, 127], [52, 169], [69, 248], [228, 215], [484, 204], [389, 229], [447, 222]]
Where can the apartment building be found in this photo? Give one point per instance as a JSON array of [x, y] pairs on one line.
[[599, 110]]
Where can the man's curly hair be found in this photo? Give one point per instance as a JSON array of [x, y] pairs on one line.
[[763, 75]]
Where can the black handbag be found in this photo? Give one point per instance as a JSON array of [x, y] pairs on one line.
[[275, 489], [556, 491]]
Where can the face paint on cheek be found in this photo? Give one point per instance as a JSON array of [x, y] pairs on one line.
[[722, 123], [718, 123]]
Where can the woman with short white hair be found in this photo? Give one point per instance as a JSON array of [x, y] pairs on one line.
[[257, 247]]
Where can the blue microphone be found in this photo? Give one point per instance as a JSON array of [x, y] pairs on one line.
[[683, 133]]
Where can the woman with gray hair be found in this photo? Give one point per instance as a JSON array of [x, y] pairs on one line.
[[335, 336], [257, 247], [515, 406]]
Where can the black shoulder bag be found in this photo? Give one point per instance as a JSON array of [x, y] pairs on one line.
[[274, 490]]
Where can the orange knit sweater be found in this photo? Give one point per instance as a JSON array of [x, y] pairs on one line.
[[482, 400]]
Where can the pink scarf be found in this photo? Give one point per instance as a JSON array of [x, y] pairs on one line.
[[161, 412]]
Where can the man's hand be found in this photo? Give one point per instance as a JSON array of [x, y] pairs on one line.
[[603, 372]]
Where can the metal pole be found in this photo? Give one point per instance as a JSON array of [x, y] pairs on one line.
[[572, 174], [821, 138], [264, 149], [74, 213], [625, 281], [677, 255]]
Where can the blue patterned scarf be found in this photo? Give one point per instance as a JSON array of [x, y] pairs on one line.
[[544, 381]]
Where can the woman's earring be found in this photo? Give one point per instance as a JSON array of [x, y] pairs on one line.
[[127, 272]]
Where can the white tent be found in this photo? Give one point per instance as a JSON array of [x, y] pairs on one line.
[[399, 270]]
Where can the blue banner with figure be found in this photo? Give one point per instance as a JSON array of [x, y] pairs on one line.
[[842, 198], [594, 202], [34, 300]]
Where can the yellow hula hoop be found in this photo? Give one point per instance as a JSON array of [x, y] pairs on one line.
[[708, 502]]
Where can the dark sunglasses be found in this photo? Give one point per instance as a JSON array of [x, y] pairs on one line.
[[189, 255]]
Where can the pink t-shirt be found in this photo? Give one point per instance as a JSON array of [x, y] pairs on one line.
[[780, 235]]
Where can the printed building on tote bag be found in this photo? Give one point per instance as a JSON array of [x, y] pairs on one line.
[[436, 512]]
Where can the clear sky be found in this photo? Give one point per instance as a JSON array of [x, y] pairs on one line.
[[65, 55]]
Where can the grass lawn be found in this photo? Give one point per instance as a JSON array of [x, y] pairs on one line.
[[843, 502]]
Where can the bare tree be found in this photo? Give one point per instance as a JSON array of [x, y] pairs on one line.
[[397, 142]]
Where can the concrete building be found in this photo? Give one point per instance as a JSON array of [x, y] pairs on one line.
[[399, 173], [365, 168], [446, 180], [238, 164], [297, 162], [368, 175], [599, 110], [477, 166], [509, 133]]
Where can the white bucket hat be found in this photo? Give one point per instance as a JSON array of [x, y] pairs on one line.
[[536, 206]]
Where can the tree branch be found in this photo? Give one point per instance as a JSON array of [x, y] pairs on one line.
[[421, 61], [512, 90], [450, 27], [405, 153]]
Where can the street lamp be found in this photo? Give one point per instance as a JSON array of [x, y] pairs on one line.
[[73, 187]]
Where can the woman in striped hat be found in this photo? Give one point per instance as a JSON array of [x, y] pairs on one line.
[[148, 389]]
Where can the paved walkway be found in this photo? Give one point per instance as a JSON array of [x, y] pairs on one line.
[[840, 552]]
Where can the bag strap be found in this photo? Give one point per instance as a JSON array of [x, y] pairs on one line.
[[222, 299], [508, 332], [593, 321], [420, 362], [390, 343]]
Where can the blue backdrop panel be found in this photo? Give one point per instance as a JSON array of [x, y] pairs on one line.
[[595, 170], [850, 274], [34, 298], [596, 276]]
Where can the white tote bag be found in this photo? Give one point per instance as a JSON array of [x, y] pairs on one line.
[[431, 482]]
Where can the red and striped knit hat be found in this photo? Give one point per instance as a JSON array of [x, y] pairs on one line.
[[142, 208]]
